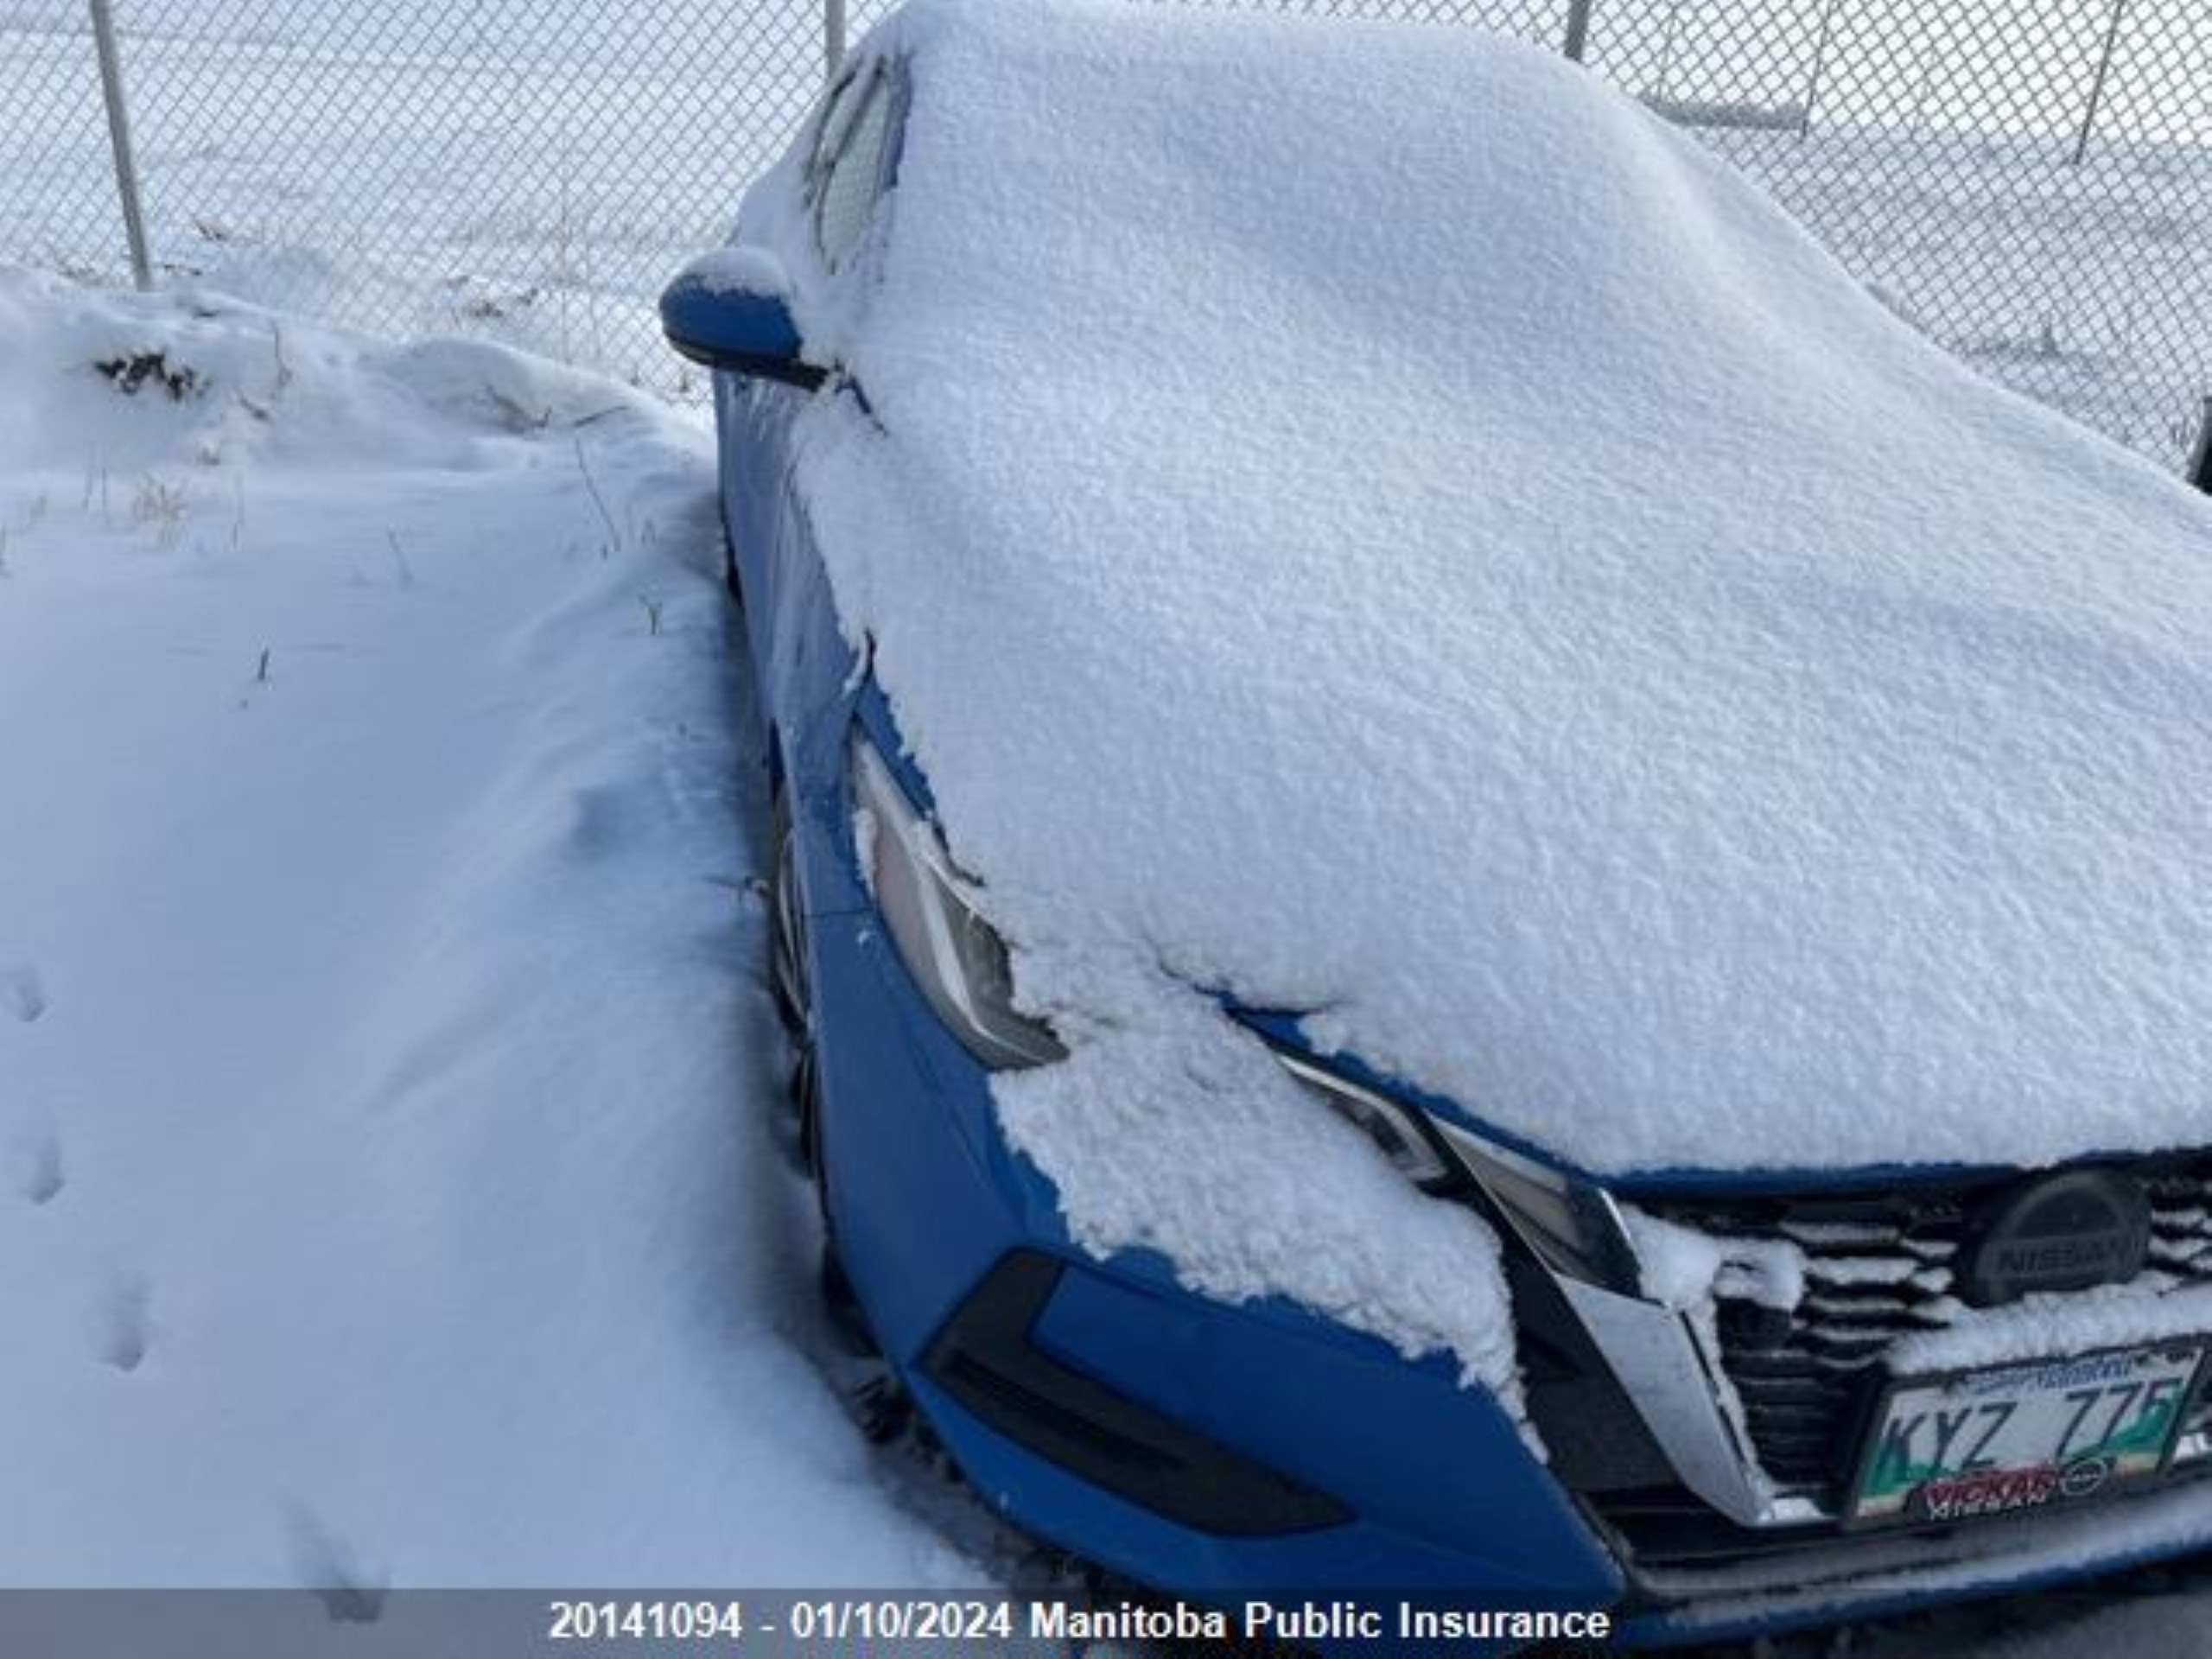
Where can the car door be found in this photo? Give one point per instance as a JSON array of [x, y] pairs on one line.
[[846, 173]]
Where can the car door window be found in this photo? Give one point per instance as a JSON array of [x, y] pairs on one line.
[[848, 186], [840, 107]]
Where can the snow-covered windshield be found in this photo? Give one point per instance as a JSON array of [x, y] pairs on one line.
[[1366, 519]]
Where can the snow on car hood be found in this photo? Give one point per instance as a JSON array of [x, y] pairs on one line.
[[1365, 519]]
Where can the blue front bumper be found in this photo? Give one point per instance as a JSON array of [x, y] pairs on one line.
[[1429, 1491]]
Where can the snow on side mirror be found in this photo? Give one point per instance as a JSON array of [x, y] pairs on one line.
[[730, 309]]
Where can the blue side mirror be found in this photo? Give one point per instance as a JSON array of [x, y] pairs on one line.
[[729, 310]]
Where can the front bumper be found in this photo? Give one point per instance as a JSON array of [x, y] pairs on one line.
[[1224, 1452], [1344, 1436]]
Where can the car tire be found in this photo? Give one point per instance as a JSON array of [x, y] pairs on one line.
[[787, 962], [791, 982], [731, 584]]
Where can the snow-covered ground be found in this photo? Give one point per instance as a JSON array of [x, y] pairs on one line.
[[387, 1189], [515, 171]]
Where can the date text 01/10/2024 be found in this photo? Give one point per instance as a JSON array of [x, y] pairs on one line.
[[994, 1620]]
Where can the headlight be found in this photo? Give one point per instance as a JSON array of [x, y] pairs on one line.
[[1570, 1226], [952, 952], [1401, 1132]]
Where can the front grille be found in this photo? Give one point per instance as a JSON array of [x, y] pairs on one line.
[[1878, 1267]]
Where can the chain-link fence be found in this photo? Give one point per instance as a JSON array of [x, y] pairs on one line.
[[2028, 180], [526, 170]]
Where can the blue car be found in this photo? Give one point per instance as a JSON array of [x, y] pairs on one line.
[[1714, 1399]]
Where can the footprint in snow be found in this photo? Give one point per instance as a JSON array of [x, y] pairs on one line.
[[22, 993], [350, 1592], [600, 823], [34, 1168], [125, 1329]]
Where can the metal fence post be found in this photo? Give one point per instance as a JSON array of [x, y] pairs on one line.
[[1819, 63], [1578, 29], [2097, 86], [1667, 40], [118, 137], [833, 37]]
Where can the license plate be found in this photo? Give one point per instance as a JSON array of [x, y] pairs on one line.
[[1974, 1443]]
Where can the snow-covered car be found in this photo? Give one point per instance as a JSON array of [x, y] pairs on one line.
[[1488, 894]]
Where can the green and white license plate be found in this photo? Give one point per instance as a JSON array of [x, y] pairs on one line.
[[2024, 1437]]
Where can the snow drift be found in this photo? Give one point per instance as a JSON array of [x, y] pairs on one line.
[[386, 1192]]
